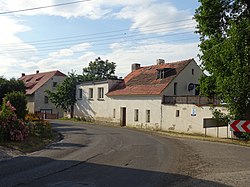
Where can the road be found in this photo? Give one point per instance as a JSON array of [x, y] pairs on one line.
[[95, 155]]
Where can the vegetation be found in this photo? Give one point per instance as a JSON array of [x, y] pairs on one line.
[[12, 85], [224, 28], [18, 101], [98, 70], [65, 94]]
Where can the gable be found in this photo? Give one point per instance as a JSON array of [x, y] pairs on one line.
[[148, 80], [34, 81]]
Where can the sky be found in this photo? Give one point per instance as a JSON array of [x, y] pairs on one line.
[[67, 38]]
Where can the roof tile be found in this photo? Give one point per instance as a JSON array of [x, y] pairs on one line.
[[143, 81]]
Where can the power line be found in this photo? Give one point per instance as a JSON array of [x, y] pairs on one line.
[[101, 42], [103, 33], [104, 38], [42, 7]]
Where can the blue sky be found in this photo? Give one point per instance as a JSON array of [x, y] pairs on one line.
[[67, 38]]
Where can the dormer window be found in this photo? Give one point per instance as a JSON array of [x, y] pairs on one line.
[[165, 72]]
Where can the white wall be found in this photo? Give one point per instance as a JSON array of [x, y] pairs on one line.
[[184, 79], [103, 110], [186, 122], [40, 93]]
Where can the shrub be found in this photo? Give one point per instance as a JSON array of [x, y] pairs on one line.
[[11, 128], [39, 128], [32, 117], [18, 100]]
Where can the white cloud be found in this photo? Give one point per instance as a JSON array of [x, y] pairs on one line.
[[142, 13], [156, 18], [80, 47]]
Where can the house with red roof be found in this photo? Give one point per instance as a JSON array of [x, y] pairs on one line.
[[136, 100], [37, 98]]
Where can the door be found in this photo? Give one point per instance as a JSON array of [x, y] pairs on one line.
[[123, 116]]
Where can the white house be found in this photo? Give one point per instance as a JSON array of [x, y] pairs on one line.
[[37, 99], [162, 96]]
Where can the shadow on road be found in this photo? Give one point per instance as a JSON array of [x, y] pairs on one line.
[[42, 171]]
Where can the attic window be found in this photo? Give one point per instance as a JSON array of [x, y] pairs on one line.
[[163, 73], [28, 79], [39, 78]]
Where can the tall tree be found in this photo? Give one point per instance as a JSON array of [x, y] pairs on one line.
[[99, 69], [8, 86], [65, 94], [224, 28]]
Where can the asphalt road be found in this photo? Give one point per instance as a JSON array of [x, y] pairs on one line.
[[93, 155]]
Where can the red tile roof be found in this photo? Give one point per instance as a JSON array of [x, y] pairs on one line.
[[34, 81], [143, 81]]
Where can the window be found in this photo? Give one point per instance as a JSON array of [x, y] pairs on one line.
[[177, 114], [166, 72], [100, 93], [114, 113], [54, 84], [136, 115], [91, 93], [192, 71], [175, 88], [147, 116], [46, 99], [80, 93]]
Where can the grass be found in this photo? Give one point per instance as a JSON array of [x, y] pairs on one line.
[[31, 143]]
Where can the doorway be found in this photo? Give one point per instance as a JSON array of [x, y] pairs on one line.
[[123, 116]]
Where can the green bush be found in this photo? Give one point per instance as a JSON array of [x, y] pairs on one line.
[[18, 100], [11, 128]]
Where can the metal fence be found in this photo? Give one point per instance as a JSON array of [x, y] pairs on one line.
[[188, 99]]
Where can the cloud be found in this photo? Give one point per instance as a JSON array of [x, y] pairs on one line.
[[156, 18], [80, 47]]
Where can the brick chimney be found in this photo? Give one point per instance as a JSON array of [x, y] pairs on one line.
[[23, 74], [160, 61], [37, 71], [135, 66]]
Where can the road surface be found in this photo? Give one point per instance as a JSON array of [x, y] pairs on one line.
[[94, 155]]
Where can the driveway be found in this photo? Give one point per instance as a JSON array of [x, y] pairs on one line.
[[94, 155]]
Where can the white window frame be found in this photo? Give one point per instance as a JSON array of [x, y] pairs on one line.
[[100, 93], [91, 93]]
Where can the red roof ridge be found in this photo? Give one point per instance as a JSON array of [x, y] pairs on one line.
[[34, 81]]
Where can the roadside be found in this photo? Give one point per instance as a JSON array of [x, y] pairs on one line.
[[171, 133], [12, 149]]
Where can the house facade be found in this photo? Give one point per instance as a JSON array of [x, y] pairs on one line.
[[141, 99], [37, 98]]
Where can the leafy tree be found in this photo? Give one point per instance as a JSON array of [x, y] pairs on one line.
[[224, 28], [7, 86], [18, 101], [65, 94], [99, 69]]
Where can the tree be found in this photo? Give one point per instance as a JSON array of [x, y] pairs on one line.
[[18, 101], [7, 86], [65, 94], [98, 70], [224, 28]]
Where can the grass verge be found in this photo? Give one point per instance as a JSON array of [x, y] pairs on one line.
[[31, 143]]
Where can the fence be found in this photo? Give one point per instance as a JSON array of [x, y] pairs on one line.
[[197, 100]]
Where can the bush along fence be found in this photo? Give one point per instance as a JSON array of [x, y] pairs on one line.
[[14, 129]]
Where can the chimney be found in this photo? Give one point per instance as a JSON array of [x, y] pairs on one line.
[[23, 74], [160, 61], [37, 71], [135, 66]]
